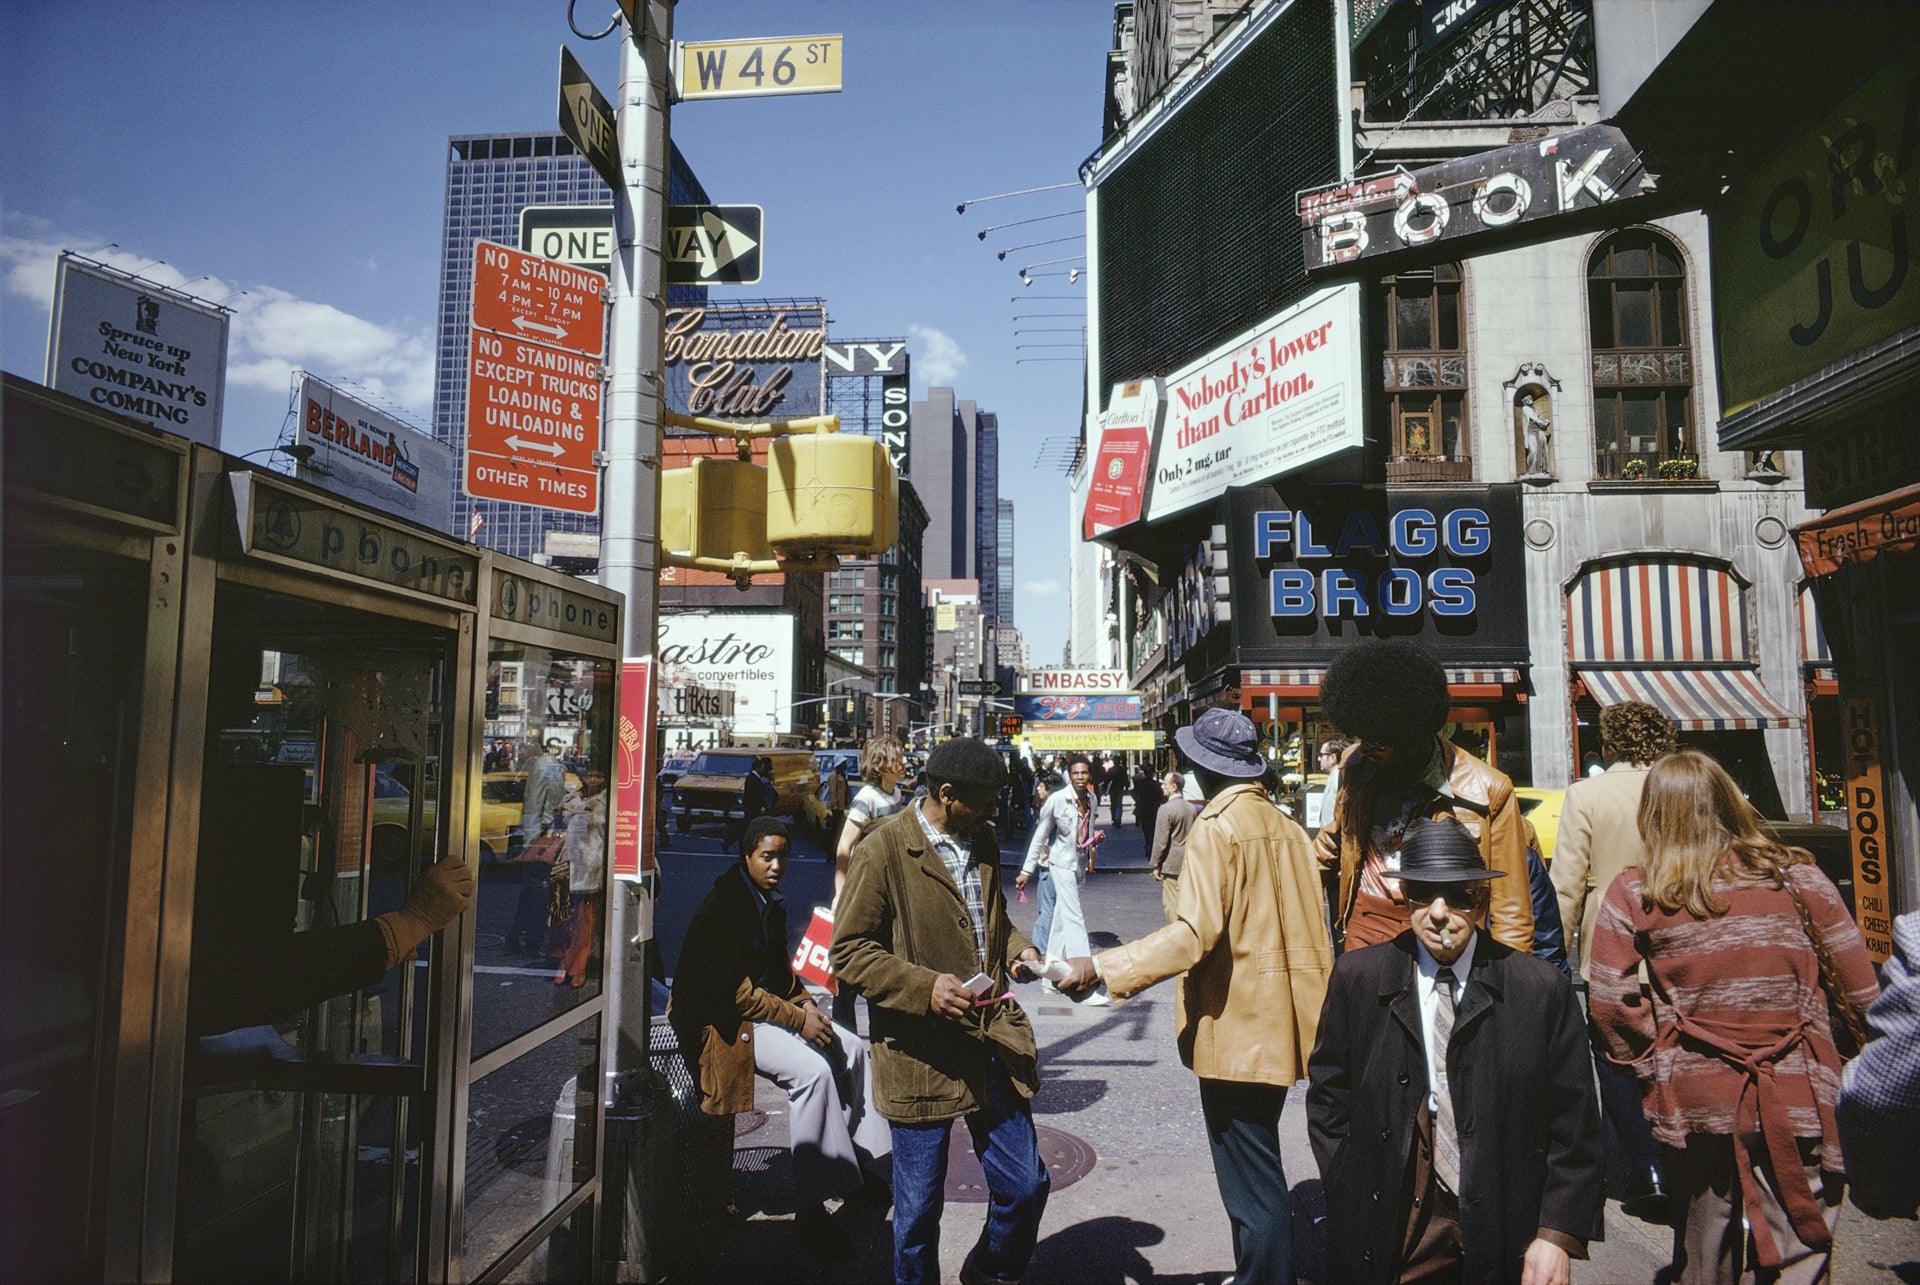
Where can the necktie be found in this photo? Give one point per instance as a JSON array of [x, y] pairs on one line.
[[1446, 1141]]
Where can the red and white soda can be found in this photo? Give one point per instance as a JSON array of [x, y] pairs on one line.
[[810, 960]]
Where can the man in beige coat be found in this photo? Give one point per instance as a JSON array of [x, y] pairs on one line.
[[1599, 837], [1251, 935]]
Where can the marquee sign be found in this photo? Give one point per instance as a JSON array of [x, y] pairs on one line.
[[1314, 568], [1456, 199], [746, 361], [1120, 707]]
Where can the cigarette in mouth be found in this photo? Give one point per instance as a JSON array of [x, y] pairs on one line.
[[1446, 938]]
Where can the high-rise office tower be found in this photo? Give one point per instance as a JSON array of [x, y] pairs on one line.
[[955, 465], [1004, 539], [490, 179]]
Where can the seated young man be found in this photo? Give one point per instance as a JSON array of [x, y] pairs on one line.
[[740, 1011]]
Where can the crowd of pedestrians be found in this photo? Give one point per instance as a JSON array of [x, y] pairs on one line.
[[1413, 963]]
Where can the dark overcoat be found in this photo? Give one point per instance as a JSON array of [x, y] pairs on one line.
[[1523, 1100]]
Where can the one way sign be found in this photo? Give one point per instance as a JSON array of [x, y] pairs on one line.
[[714, 245]]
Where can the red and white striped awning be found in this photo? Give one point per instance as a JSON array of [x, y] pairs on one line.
[[1697, 700], [1657, 611], [1314, 677]]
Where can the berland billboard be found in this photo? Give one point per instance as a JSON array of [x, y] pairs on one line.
[[370, 456], [1283, 395], [138, 348]]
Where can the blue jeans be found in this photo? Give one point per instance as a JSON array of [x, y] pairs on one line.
[[1243, 1132], [1017, 1181], [1043, 909]]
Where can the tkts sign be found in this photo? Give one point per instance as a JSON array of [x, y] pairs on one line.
[[1476, 194]]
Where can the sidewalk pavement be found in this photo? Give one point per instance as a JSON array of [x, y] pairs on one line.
[[1149, 1209]]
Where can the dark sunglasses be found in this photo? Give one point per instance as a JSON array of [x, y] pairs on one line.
[[1457, 894]]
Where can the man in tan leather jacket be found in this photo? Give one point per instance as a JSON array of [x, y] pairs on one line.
[[1391, 696], [1250, 934]]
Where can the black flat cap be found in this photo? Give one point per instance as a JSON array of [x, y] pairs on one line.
[[967, 763]]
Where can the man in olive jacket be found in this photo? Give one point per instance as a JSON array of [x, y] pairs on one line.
[[1250, 933], [922, 912]]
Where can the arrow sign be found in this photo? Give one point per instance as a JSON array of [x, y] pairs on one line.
[[519, 444], [714, 244], [587, 118]]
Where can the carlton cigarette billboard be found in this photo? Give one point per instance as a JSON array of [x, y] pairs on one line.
[[370, 456], [1278, 398], [138, 348]]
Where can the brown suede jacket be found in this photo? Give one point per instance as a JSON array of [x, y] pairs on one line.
[[1479, 797]]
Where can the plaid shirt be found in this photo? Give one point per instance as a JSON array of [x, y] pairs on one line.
[[958, 856], [1879, 1111]]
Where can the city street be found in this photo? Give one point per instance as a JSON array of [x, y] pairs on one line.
[[1113, 1082]]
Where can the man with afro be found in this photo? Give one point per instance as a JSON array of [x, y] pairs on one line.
[[1391, 697]]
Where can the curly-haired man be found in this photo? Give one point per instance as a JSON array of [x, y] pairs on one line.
[[1391, 696]]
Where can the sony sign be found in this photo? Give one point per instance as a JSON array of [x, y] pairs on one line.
[[1476, 194]]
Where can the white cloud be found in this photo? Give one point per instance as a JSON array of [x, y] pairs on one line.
[[937, 359], [273, 332], [1042, 588]]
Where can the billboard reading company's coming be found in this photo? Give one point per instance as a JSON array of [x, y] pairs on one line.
[[138, 349], [1278, 398]]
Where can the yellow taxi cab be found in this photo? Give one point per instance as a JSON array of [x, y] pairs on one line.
[[1542, 807], [502, 798]]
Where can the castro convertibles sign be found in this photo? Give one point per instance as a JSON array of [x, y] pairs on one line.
[[1278, 398], [1315, 567]]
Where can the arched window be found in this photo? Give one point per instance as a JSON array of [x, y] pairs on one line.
[[1642, 357], [1418, 328]]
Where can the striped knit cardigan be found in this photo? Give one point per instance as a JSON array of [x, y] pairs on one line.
[[1735, 1007]]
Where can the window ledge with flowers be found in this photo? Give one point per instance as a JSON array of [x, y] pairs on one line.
[[1675, 473]]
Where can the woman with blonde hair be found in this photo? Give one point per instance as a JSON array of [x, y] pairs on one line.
[[883, 761], [1746, 945]]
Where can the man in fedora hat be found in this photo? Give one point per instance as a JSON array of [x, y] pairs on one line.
[[1452, 1108], [1250, 932]]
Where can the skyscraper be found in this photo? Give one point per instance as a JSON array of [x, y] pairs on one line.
[[1004, 537], [490, 179], [955, 465]]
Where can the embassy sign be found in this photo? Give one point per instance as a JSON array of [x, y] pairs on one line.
[[1474, 195]]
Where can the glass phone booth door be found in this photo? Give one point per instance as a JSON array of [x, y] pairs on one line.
[[305, 1127]]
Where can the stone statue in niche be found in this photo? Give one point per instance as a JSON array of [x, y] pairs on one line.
[[1533, 420]]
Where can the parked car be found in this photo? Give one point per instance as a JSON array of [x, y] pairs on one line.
[[711, 787], [672, 770]]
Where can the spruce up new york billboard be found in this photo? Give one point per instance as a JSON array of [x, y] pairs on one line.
[[1279, 397], [1317, 567]]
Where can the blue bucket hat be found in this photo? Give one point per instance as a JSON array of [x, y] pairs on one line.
[[1223, 741]]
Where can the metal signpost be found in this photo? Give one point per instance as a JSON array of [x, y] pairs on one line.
[[533, 408]]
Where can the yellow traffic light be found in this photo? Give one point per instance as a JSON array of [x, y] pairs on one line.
[[715, 509], [831, 493]]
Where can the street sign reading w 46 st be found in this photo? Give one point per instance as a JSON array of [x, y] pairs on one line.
[[587, 118], [756, 68]]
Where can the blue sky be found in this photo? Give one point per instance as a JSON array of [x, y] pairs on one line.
[[297, 152]]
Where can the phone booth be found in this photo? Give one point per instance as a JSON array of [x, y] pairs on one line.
[[242, 716]]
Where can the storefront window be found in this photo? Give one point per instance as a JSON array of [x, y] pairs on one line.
[[543, 839]]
